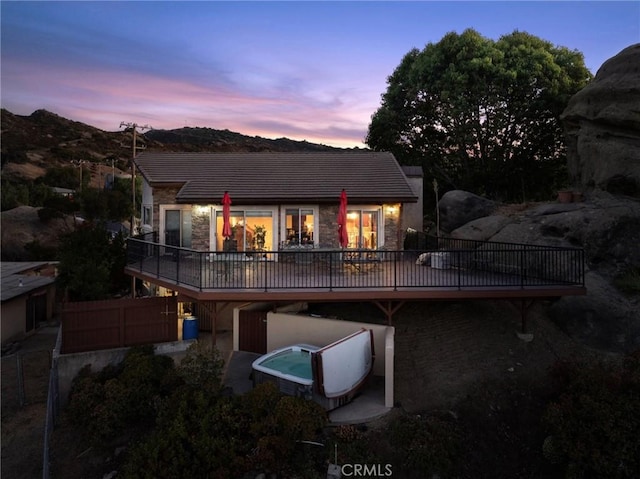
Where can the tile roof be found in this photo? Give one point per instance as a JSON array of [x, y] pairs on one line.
[[268, 177]]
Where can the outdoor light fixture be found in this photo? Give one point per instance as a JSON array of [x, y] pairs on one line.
[[202, 210]]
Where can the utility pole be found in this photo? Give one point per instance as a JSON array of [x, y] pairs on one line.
[[78, 164], [134, 148], [134, 128]]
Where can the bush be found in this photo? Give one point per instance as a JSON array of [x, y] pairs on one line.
[[202, 367], [425, 446], [201, 434], [107, 403], [594, 422]]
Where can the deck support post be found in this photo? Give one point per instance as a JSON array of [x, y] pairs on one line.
[[212, 309], [389, 309], [525, 305]]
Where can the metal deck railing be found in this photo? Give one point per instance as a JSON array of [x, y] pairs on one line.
[[445, 263]]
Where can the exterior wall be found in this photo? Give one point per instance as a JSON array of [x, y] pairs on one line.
[[200, 223], [14, 313], [326, 226], [13, 320], [286, 329], [392, 226], [69, 365], [413, 213], [162, 196], [51, 301]]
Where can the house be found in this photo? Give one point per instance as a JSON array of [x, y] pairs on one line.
[[292, 198], [28, 297], [285, 207]]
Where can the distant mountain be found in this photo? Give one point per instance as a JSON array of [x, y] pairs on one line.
[[32, 144], [208, 139]]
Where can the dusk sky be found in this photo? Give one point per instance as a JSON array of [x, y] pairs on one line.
[[310, 71]]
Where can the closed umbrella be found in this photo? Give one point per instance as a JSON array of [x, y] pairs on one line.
[[343, 238], [226, 212]]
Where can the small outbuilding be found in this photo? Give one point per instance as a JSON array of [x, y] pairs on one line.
[[28, 297]]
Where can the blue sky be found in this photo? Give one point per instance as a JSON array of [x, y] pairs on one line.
[[310, 71]]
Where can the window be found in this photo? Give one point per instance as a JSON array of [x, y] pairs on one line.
[[362, 228], [146, 215], [299, 226], [251, 230], [177, 228]]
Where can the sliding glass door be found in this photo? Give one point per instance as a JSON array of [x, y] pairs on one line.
[[362, 228], [251, 230]]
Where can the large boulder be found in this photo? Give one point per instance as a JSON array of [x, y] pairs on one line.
[[21, 226], [607, 227], [605, 318], [458, 207], [482, 229], [602, 125]]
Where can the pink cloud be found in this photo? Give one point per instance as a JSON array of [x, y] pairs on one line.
[[104, 98]]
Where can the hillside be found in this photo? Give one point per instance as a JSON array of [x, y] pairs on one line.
[[43, 142], [31, 144]]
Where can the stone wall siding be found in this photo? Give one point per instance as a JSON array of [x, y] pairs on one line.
[[200, 230], [327, 225]]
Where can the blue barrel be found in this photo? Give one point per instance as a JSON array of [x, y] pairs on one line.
[[190, 328]]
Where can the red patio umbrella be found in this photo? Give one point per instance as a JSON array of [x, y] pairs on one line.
[[343, 238], [226, 212]]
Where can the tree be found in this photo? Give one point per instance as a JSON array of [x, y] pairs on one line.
[[482, 115], [92, 264]]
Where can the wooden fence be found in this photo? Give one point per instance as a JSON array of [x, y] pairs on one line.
[[93, 325]]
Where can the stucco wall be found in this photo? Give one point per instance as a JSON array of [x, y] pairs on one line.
[[70, 364], [413, 213]]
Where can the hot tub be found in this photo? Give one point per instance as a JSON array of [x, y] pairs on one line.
[[330, 375]]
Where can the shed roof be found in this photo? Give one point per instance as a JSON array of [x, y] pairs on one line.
[[18, 278], [268, 177]]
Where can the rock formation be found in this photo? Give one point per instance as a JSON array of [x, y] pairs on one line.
[[607, 227], [458, 207], [602, 124]]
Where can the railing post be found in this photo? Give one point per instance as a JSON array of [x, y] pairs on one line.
[[157, 248], [459, 270], [395, 271], [176, 252], [266, 280], [200, 271], [522, 267], [331, 257]]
